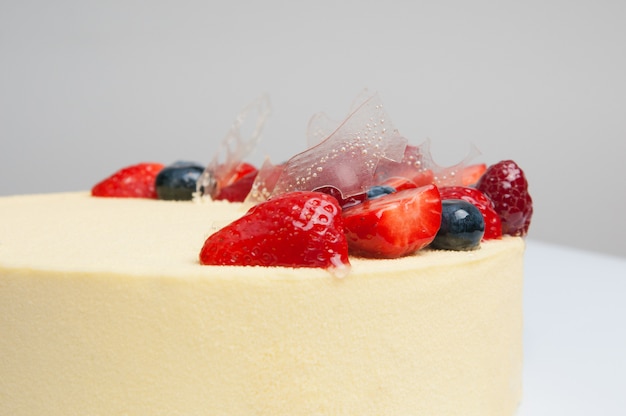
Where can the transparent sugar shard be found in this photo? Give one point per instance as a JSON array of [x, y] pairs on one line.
[[349, 156], [239, 142], [264, 182], [450, 175], [418, 166], [321, 125]]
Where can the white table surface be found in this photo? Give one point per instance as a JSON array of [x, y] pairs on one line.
[[575, 332]]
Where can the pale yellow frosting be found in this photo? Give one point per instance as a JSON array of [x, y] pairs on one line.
[[104, 310]]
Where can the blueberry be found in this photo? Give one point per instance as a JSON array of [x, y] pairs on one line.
[[379, 190], [178, 180], [462, 226]]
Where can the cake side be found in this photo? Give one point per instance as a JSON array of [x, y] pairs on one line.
[[104, 323]]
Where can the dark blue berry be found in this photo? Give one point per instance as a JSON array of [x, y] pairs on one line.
[[178, 180], [462, 226], [379, 190]]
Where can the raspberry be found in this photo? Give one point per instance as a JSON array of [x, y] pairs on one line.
[[505, 184]]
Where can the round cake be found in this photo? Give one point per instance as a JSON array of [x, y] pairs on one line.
[[105, 310]]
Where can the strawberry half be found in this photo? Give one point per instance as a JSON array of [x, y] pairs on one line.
[[394, 225], [238, 172], [136, 181], [472, 173], [235, 184], [493, 225], [238, 190], [297, 229], [399, 183]]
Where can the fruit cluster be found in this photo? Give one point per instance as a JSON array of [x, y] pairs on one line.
[[173, 182], [363, 189], [319, 227]]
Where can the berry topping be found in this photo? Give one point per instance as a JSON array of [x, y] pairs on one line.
[[505, 184], [394, 225], [379, 190], [240, 171], [238, 184], [493, 225], [298, 229], [136, 181], [343, 202], [462, 226], [178, 180], [472, 173], [399, 183]]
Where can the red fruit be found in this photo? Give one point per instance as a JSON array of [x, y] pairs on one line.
[[241, 170], [136, 181], [472, 173], [399, 183], [234, 185], [493, 225], [343, 202], [238, 190], [505, 184], [424, 177], [297, 229], [394, 225]]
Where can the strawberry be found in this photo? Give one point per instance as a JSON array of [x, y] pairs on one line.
[[235, 184], [343, 202], [297, 229], [423, 177], [493, 225], [394, 225], [136, 181], [238, 190], [399, 183], [241, 170], [472, 173], [506, 185]]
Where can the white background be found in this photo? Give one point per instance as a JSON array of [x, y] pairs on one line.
[[88, 87], [574, 332]]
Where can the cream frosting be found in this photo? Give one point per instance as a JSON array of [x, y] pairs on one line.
[[105, 310]]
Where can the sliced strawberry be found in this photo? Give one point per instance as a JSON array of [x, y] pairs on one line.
[[472, 173], [506, 185], [423, 177], [493, 225], [343, 202], [136, 181], [298, 229], [394, 225], [399, 183], [238, 190], [241, 170]]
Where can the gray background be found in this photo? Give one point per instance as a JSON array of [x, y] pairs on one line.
[[89, 87]]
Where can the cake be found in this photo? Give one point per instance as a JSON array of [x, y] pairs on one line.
[[104, 310], [357, 278]]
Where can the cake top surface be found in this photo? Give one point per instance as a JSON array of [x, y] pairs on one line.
[[76, 233]]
